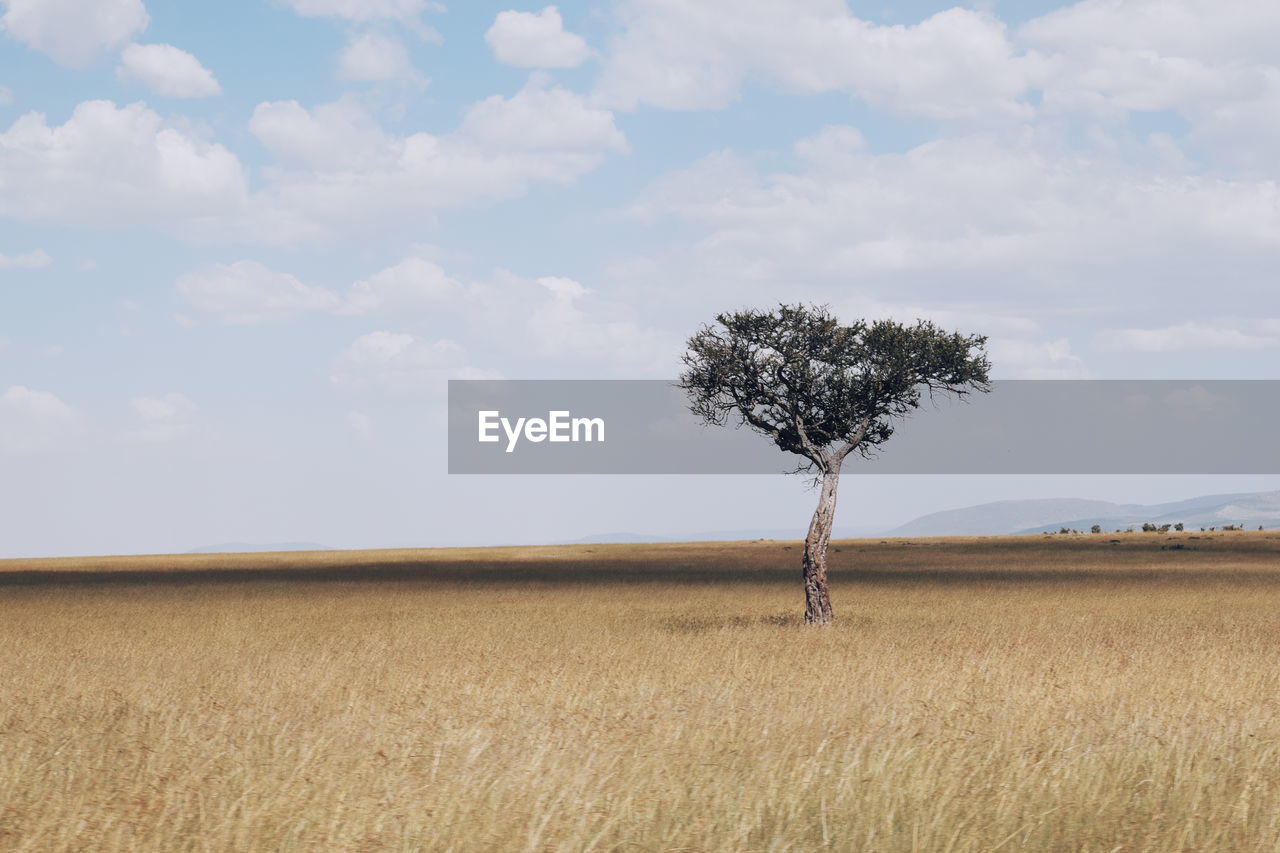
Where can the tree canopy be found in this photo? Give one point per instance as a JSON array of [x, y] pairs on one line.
[[820, 389]]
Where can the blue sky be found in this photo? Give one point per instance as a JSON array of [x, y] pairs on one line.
[[245, 244]]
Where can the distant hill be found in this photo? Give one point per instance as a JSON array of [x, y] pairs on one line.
[[1249, 510], [1034, 516], [1001, 517], [250, 548]]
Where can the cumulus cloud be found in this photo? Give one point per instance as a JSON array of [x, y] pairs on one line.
[[413, 284], [987, 211], [1201, 29], [1027, 359], [542, 118], [401, 362], [33, 420], [161, 418], [335, 166], [324, 138], [695, 54], [167, 71], [552, 318], [34, 260], [115, 165], [74, 32], [375, 58], [535, 40], [568, 323], [248, 292], [1213, 63]]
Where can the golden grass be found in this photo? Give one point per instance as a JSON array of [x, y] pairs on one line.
[[1025, 693]]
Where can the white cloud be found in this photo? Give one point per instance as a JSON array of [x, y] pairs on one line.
[[167, 71], [413, 284], [161, 418], [329, 137], [115, 165], [502, 143], [248, 292], [1208, 30], [553, 317], [38, 259], [535, 40], [337, 167], [561, 326], [984, 215], [1187, 336], [1025, 359], [1214, 63], [562, 289], [546, 119], [74, 32], [696, 54], [33, 420], [400, 362], [373, 58]]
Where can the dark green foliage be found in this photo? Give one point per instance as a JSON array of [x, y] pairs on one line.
[[821, 389]]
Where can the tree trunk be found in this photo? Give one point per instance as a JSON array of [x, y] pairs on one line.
[[817, 601]]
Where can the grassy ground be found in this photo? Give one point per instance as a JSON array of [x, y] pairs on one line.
[[1024, 693]]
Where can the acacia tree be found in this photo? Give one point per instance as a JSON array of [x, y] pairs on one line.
[[823, 391]]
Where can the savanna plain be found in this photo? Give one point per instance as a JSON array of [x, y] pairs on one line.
[[1048, 693]]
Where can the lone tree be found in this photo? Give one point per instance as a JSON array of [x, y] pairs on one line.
[[822, 390]]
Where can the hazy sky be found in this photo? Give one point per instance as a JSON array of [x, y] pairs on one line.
[[244, 244]]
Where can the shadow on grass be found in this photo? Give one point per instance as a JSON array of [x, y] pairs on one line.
[[573, 573], [705, 624]]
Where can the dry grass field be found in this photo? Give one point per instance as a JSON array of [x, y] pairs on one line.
[[998, 694]]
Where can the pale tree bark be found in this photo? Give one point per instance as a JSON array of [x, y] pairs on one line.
[[817, 600]]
